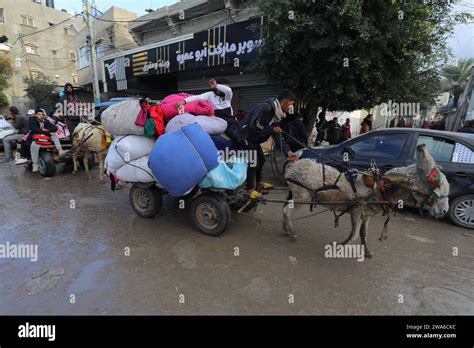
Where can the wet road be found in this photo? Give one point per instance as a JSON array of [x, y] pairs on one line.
[[83, 232]]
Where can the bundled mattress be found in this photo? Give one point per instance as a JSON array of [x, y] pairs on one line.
[[179, 160], [212, 125], [119, 119], [136, 171]]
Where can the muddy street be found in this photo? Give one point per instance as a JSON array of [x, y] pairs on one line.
[[96, 256]]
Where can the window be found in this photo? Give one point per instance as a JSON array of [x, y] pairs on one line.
[[82, 57], [2, 16], [463, 154], [50, 24], [32, 49], [68, 31], [27, 20], [439, 148], [100, 48], [385, 145], [72, 54], [36, 74]]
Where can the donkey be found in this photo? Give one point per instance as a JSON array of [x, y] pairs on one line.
[[415, 183], [91, 139]]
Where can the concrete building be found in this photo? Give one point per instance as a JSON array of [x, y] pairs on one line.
[[42, 43], [112, 36], [186, 44]]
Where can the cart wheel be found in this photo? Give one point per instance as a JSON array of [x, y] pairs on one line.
[[46, 164], [146, 201], [210, 214]]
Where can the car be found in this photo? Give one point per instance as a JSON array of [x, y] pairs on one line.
[[395, 147]]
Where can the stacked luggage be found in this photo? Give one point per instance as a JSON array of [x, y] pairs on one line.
[[169, 145]]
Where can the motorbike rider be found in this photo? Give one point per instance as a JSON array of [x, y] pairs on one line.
[[39, 124]]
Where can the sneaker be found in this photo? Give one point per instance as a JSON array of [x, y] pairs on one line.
[[21, 161], [254, 194], [35, 168], [264, 186]]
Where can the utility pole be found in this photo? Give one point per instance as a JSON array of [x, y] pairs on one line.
[[95, 77]]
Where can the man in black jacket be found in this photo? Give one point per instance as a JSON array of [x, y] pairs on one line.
[[39, 124], [258, 125], [20, 123]]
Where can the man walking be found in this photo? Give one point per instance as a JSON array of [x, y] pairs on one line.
[[20, 123]]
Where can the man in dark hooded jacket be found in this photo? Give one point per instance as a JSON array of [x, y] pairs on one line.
[[69, 100], [258, 125]]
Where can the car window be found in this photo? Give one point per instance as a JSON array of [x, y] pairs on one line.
[[439, 148], [462, 154], [383, 145]]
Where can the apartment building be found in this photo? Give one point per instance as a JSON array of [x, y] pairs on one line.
[[41, 41]]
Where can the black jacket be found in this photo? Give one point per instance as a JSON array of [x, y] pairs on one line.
[[256, 126], [466, 129], [36, 128]]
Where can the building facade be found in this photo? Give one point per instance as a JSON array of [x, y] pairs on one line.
[[111, 35], [188, 43], [42, 43]]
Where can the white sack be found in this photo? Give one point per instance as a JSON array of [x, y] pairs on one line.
[[127, 148], [136, 171], [119, 119], [212, 125]]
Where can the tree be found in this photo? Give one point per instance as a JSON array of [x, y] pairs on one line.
[[456, 77], [348, 55], [42, 92], [6, 70]]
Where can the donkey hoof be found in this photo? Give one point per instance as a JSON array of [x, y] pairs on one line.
[[369, 254]]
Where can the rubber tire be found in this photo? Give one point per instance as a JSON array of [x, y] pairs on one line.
[[219, 203], [47, 167], [155, 197], [451, 214]]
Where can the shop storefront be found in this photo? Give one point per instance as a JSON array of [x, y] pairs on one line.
[[187, 63]]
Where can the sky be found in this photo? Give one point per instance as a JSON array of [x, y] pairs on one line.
[[461, 42]]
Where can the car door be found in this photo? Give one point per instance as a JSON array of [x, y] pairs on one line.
[[388, 149], [456, 160]]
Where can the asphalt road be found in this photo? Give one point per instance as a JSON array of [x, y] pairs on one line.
[[83, 231]]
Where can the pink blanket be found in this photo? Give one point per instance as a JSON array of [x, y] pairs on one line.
[[197, 107], [173, 98]]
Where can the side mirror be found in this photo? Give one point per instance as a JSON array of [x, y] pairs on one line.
[[347, 154]]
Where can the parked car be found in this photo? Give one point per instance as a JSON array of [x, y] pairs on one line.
[[395, 147]]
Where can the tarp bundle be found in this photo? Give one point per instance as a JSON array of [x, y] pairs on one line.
[[212, 125], [132, 117], [182, 158], [226, 176], [119, 119], [127, 158]]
